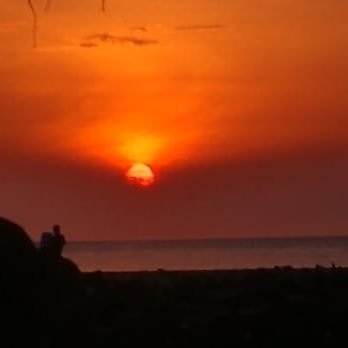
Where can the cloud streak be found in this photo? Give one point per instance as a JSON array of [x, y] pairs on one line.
[[105, 38]]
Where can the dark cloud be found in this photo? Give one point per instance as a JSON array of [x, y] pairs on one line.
[[199, 27], [94, 39]]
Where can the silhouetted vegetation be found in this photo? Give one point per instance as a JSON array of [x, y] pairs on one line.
[[47, 7]]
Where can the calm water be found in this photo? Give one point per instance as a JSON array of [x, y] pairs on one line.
[[208, 254]]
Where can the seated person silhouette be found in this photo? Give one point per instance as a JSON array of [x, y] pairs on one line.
[[52, 243], [60, 270], [48, 246], [62, 275]]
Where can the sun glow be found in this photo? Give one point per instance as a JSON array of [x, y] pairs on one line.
[[141, 174], [141, 149]]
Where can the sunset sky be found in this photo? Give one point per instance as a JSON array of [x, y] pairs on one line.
[[239, 106]]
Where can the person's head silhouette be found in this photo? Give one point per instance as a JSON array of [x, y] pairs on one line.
[[56, 229]]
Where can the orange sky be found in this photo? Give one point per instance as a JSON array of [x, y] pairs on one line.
[[203, 91]]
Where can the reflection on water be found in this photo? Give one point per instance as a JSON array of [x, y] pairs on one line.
[[208, 254]]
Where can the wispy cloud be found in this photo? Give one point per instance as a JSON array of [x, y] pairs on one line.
[[105, 38], [199, 27]]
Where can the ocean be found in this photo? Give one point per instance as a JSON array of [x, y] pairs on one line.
[[208, 254]]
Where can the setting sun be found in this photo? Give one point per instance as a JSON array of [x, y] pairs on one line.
[[141, 174]]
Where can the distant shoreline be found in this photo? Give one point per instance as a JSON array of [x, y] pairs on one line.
[[208, 240], [209, 272]]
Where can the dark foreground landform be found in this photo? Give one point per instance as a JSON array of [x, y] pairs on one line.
[[280, 307]]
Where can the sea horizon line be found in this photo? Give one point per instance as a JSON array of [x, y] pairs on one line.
[[218, 239]]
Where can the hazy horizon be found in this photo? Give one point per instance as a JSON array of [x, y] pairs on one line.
[[209, 239]]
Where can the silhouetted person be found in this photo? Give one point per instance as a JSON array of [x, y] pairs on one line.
[[61, 272], [60, 239], [48, 245], [58, 268], [52, 244], [65, 278]]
